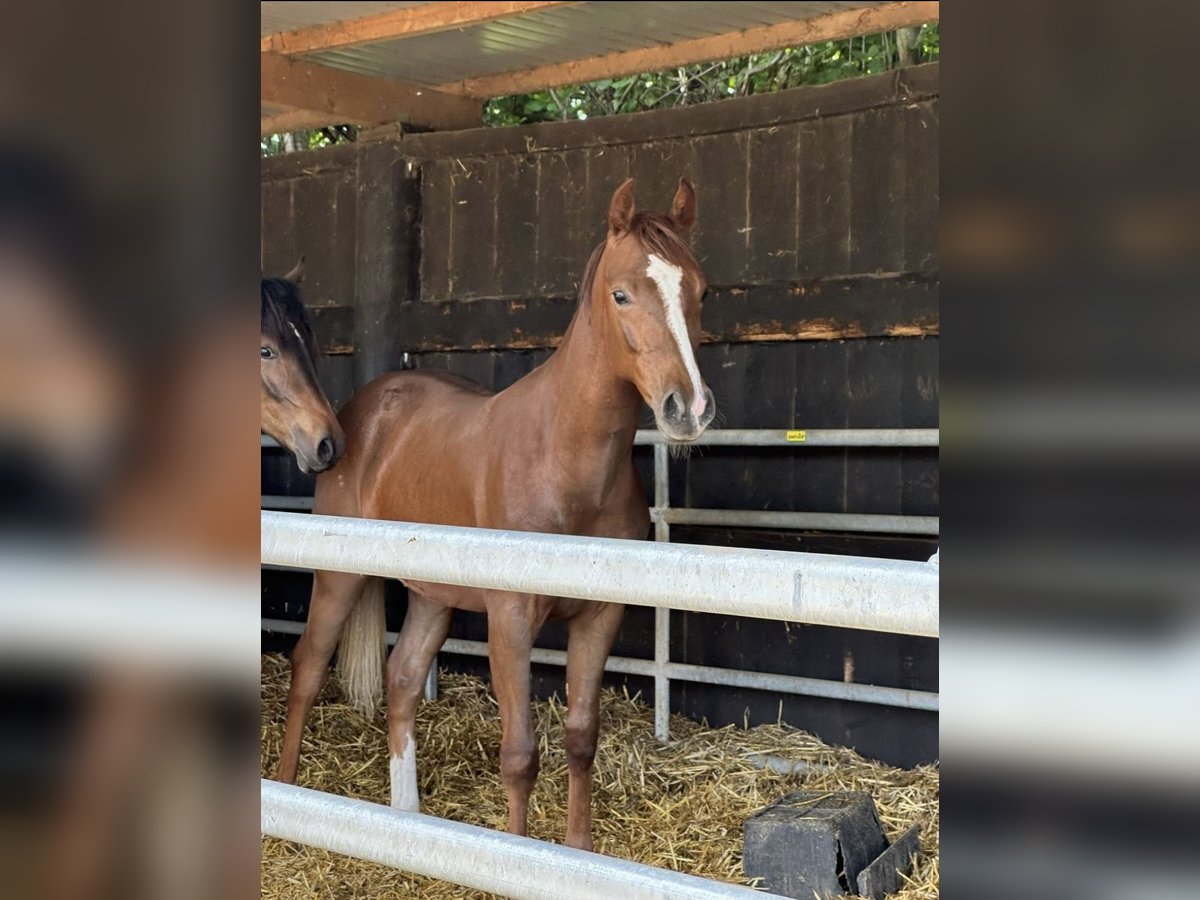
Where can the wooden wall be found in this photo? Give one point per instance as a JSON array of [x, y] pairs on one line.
[[818, 235]]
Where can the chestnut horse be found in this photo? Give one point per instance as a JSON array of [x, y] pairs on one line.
[[552, 453], [294, 409]]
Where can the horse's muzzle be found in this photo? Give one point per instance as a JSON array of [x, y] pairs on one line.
[[681, 421]]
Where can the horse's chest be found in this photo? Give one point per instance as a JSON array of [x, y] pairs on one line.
[[615, 514], [556, 500]]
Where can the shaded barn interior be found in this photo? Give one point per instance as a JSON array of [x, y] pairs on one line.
[[818, 235]]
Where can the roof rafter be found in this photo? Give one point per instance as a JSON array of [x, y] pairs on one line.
[[332, 95]]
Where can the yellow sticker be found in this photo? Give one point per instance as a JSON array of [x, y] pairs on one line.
[[797, 437]]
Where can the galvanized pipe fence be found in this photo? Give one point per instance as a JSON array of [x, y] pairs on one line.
[[663, 515], [884, 595], [469, 855]]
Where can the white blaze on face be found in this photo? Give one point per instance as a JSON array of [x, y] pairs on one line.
[[669, 279], [404, 779]]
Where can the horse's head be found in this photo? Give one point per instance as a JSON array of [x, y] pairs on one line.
[[646, 291], [294, 409]]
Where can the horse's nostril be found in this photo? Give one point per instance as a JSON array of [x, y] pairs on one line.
[[325, 450], [672, 407]]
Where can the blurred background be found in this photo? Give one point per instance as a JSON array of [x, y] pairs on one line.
[[1070, 650], [128, 459]]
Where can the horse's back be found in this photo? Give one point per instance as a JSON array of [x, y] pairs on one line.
[[401, 422]]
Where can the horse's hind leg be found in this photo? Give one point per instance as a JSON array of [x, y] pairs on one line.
[[513, 622], [426, 625], [334, 595], [590, 638]]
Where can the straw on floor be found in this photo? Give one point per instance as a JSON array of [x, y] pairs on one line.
[[680, 807]]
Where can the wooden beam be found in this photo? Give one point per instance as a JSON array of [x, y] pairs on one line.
[[341, 96], [796, 32], [402, 23]]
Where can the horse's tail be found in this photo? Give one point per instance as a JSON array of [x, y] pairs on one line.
[[363, 649]]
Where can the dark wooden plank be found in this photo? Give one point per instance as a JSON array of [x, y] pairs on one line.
[[607, 169], [874, 377], [337, 377], [311, 162], [473, 228], [819, 400], [656, 167], [722, 245], [333, 327], [562, 182], [774, 213], [877, 192], [715, 475], [385, 259], [920, 476], [477, 367], [796, 104], [922, 191], [852, 308], [516, 226], [919, 396], [920, 387], [509, 366], [344, 216], [828, 310], [325, 260], [770, 373], [432, 360], [437, 215], [823, 241], [581, 232], [279, 251]]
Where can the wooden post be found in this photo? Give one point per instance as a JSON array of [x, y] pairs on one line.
[[389, 195]]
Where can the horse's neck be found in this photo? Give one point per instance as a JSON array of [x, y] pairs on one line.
[[593, 413]]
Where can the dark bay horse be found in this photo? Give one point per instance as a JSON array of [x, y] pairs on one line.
[[294, 409], [134, 725], [551, 453]]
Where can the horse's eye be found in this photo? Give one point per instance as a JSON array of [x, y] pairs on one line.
[[266, 353], [620, 297], [704, 296]]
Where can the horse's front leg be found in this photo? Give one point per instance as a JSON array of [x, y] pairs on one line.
[[591, 634], [514, 620], [426, 625]]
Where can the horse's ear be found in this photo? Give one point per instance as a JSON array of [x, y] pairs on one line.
[[621, 209], [297, 274], [683, 208]]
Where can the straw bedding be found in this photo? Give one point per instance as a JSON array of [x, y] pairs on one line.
[[679, 807]]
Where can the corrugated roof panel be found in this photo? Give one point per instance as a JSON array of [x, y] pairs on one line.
[[274, 17], [545, 37]]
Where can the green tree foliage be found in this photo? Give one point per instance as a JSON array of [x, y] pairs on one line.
[[274, 144], [759, 73]]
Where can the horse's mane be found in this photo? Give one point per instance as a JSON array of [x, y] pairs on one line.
[[656, 234], [281, 309]]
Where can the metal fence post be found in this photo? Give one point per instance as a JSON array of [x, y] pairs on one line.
[[662, 615]]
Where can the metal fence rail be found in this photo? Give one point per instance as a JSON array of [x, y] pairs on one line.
[[898, 596], [776, 437], [475, 857], [759, 681], [664, 516]]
